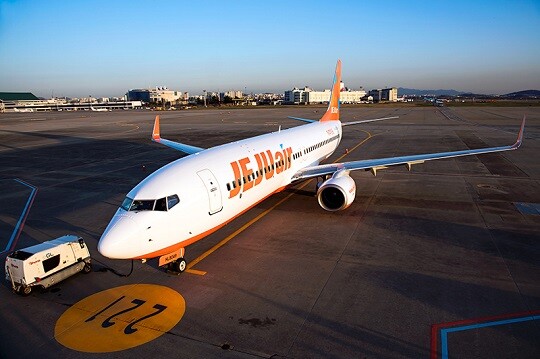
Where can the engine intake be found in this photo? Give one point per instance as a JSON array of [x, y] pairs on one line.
[[337, 193]]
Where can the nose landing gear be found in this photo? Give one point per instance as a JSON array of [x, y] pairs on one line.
[[174, 262], [178, 265]]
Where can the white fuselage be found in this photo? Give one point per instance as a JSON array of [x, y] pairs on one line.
[[213, 187]]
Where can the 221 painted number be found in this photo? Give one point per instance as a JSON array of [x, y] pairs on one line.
[[130, 328]]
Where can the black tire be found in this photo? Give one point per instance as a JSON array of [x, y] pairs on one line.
[[179, 265], [25, 291], [87, 268]]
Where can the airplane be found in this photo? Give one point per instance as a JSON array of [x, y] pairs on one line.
[[101, 109], [194, 196]]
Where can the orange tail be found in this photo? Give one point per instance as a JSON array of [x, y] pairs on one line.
[[332, 113], [155, 132]]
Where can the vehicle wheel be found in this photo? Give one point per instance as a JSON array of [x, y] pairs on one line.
[[179, 265], [25, 291], [87, 268]]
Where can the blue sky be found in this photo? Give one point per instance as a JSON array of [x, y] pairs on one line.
[[103, 48]]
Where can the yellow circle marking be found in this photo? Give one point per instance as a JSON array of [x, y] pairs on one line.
[[120, 318]]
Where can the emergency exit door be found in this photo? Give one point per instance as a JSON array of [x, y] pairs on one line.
[[212, 188]]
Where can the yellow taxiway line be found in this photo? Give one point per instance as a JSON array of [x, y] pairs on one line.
[[254, 220]]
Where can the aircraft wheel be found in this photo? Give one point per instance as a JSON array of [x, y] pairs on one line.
[[87, 268], [25, 291], [180, 265]]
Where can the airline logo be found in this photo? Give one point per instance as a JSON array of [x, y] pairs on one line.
[[268, 164]]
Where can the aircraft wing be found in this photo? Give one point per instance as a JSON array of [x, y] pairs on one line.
[[156, 137], [345, 123], [377, 164], [366, 121]]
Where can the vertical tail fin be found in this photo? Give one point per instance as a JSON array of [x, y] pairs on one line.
[[332, 113], [155, 132]]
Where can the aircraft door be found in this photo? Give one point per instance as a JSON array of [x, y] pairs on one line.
[[212, 188]]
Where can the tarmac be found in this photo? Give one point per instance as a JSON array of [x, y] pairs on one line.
[[439, 262]]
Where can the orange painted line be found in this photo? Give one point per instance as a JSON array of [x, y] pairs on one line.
[[238, 231], [248, 224], [195, 271]]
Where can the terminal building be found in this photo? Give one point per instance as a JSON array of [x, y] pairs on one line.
[[309, 96], [384, 95], [11, 100], [28, 102], [157, 94]]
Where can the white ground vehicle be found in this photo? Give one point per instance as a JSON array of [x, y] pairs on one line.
[[47, 263]]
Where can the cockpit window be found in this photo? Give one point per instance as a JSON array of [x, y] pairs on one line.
[[144, 205], [172, 201], [126, 204], [161, 205]]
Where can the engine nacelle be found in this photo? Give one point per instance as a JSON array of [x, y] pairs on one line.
[[337, 193]]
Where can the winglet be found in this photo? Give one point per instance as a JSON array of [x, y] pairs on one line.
[[332, 113], [155, 133], [520, 135]]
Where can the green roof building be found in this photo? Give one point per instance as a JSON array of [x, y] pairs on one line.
[[17, 96]]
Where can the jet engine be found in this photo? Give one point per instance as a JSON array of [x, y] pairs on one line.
[[337, 193]]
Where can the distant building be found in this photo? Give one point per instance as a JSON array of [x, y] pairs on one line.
[[318, 96], [231, 94], [163, 94], [297, 95], [17, 96], [139, 95], [387, 94], [307, 95], [157, 94], [10, 100]]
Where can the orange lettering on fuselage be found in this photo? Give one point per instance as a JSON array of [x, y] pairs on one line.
[[270, 173], [287, 153], [236, 170], [279, 158], [267, 164], [246, 174], [258, 177]]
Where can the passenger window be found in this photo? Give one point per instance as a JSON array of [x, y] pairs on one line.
[[51, 263], [172, 201], [161, 205]]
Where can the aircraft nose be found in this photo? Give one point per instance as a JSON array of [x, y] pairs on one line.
[[115, 241]]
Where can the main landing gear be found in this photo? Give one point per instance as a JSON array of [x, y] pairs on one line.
[[318, 183]]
